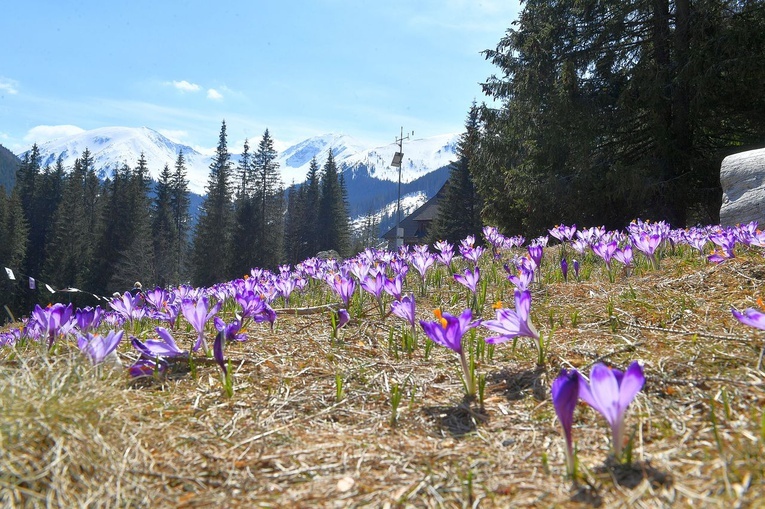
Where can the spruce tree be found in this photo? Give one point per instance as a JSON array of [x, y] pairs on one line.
[[245, 242], [47, 195], [269, 196], [293, 239], [211, 252], [179, 205], [13, 232], [309, 230], [136, 260], [459, 210], [332, 222], [69, 261], [115, 230], [163, 230]]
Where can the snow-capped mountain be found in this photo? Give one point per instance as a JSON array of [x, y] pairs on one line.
[[111, 147], [371, 182], [421, 156]]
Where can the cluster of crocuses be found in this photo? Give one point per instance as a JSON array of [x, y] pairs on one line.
[[226, 309]]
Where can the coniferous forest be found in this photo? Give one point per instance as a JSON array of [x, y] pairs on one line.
[[65, 228]]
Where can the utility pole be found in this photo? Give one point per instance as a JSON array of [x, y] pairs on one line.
[[398, 159]]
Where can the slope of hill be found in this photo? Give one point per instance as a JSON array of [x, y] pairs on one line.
[[9, 163]]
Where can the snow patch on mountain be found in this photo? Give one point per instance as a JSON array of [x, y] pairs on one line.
[[111, 147]]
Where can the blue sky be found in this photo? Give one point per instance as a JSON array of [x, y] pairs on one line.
[[298, 68]]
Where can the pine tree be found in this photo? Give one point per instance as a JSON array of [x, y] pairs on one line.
[[332, 219], [136, 260], [163, 230], [47, 196], [269, 195], [115, 230], [212, 235], [69, 261], [459, 211], [179, 205], [613, 110], [293, 224], [245, 247], [13, 232], [310, 213]]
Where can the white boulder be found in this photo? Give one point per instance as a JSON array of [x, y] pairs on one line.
[[742, 177]]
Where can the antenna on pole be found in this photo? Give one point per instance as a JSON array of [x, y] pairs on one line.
[[398, 159]]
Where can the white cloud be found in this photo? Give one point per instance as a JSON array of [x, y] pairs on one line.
[[9, 86], [214, 94], [185, 86], [42, 133]]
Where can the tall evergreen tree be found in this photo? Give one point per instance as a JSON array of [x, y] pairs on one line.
[[163, 229], [136, 261], [212, 235], [613, 110], [46, 197], [179, 205], [459, 211], [293, 223], [332, 221], [115, 230], [69, 261], [13, 232], [245, 242], [269, 196], [310, 213]]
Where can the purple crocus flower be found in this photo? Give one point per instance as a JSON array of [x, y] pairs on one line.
[[422, 261], [374, 284], [393, 286], [220, 340], [448, 331], [147, 367], [753, 318], [342, 318], [565, 394], [158, 298], [576, 269], [129, 306], [513, 323], [605, 249], [647, 243], [524, 275], [343, 285], [610, 392], [231, 331], [404, 308], [624, 255], [535, 252], [51, 320], [152, 348], [98, 347], [564, 268], [470, 278], [88, 318], [198, 314]]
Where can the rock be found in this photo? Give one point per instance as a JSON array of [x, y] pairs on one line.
[[742, 177]]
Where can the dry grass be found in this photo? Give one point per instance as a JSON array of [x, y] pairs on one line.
[[72, 435]]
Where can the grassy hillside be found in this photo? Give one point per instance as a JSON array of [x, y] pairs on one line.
[[311, 421]]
